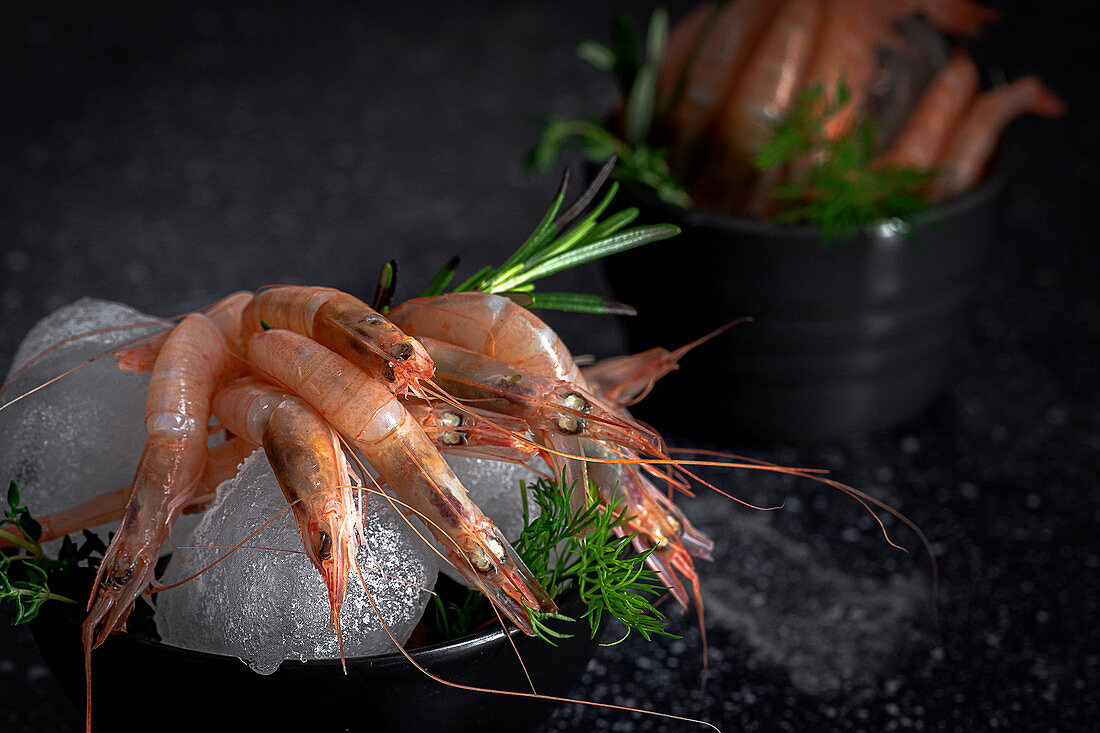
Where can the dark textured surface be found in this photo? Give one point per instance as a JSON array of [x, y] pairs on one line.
[[164, 159]]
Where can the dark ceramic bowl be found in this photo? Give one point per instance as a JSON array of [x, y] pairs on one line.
[[848, 337], [144, 685]]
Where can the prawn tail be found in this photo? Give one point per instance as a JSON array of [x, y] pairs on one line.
[[1045, 102], [139, 358], [964, 17], [627, 380]]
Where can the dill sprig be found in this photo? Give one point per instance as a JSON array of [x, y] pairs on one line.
[[26, 572], [455, 610], [835, 183], [570, 548], [561, 240]]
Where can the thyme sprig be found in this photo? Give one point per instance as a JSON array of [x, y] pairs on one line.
[[835, 182], [26, 572], [561, 240], [577, 548]]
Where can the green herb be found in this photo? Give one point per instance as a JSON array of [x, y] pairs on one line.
[[456, 611], [835, 183], [387, 286], [567, 550], [641, 164], [640, 158], [560, 241], [577, 548], [26, 573]]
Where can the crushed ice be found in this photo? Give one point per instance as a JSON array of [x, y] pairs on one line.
[[83, 434], [266, 605]]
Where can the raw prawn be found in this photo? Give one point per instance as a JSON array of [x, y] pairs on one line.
[[222, 463], [974, 140], [761, 98], [191, 362], [717, 64], [309, 464], [921, 142], [376, 425], [852, 29], [544, 403], [492, 325], [346, 325]]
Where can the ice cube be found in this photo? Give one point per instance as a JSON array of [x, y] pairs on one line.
[[266, 605], [83, 434]]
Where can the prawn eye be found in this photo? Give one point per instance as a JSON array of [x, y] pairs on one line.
[[570, 424], [573, 424], [453, 437], [402, 352], [451, 420], [574, 401], [482, 561], [325, 551], [677, 527], [119, 577]]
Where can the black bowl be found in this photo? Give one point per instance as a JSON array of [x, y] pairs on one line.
[[140, 684], [846, 337]]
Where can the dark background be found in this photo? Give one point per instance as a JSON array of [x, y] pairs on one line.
[[164, 157]]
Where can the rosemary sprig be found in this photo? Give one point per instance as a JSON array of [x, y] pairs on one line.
[[835, 183], [640, 158], [568, 548], [562, 240], [642, 164]]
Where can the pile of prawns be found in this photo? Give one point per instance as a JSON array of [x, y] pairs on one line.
[[309, 373], [732, 70]]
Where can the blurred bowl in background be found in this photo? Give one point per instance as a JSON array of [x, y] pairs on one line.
[[846, 337]]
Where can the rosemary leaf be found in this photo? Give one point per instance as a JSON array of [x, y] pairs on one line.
[[581, 303], [609, 246]]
